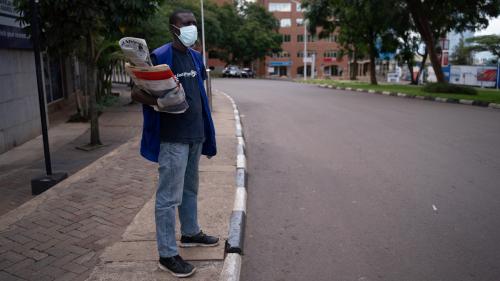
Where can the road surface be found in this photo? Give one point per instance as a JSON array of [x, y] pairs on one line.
[[355, 186]]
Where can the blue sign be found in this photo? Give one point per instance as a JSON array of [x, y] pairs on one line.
[[446, 72], [11, 33], [280, 63], [498, 74]]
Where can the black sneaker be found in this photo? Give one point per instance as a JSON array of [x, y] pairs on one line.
[[177, 266], [199, 240]]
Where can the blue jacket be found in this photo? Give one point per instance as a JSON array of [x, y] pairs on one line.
[[150, 143]]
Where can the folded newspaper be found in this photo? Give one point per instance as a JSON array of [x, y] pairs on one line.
[[158, 81]]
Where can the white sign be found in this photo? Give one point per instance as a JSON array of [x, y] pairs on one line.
[[307, 60]]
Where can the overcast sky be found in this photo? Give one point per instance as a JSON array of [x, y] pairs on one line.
[[493, 27]]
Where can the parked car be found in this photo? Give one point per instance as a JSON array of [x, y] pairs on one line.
[[247, 73], [231, 71]]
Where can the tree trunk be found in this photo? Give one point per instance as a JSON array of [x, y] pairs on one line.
[[424, 60], [92, 87], [373, 74], [354, 69], [410, 68], [423, 26]]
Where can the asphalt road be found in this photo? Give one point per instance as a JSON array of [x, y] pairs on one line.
[[355, 186]]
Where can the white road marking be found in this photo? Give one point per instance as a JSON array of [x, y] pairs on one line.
[[434, 207]]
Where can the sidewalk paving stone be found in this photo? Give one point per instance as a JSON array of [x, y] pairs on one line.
[[135, 256], [118, 124], [61, 234]]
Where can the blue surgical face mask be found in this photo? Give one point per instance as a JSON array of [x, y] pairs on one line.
[[188, 35]]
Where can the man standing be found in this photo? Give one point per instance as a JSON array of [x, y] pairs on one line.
[[176, 141]]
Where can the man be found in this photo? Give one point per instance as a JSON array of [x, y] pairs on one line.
[[176, 141]]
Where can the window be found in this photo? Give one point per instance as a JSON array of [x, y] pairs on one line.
[[287, 37], [283, 54], [280, 7], [330, 54], [332, 38], [309, 53], [299, 21], [285, 22], [298, 7], [300, 38]]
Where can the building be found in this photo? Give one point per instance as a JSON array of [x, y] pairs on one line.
[[289, 63], [19, 106]]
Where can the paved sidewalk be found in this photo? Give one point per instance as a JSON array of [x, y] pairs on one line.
[[118, 124], [99, 222]]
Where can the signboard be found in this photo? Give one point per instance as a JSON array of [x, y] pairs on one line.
[[307, 60], [329, 59], [11, 34], [483, 76], [280, 63]]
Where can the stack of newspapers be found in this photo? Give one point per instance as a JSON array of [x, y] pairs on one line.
[[158, 81]]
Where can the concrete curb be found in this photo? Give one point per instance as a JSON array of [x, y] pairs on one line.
[[403, 95], [234, 244]]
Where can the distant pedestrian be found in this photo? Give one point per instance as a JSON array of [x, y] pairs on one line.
[[176, 141]]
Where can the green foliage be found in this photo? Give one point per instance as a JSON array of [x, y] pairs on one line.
[[235, 33], [462, 55], [359, 20], [359, 27], [89, 29], [255, 37], [447, 88], [66, 23], [489, 43]]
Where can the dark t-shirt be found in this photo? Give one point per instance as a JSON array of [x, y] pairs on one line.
[[186, 127]]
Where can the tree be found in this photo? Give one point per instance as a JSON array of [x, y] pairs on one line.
[[461, 54], [490, 43], [257, 36], [359, 27], [434, 18], [83, 27]]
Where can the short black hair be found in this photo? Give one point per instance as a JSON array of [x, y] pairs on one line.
[[175, 15]]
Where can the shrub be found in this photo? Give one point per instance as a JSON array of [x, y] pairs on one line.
[[447, 88]]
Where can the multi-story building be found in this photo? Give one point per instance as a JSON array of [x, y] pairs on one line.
[[289, 62]]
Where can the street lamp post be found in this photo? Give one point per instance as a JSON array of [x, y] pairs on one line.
[[305, 49], [304, 57], [203, 33], [41, 184]]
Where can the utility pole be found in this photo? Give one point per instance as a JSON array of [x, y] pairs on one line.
[[304, 57], [203, 33], [305, 49], [40, 184]]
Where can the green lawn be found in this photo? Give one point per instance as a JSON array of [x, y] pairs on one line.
[[484, 95]]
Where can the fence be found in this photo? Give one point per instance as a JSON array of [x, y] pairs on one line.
[[119, 75]]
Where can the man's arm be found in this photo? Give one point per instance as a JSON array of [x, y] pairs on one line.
[[139, 95]]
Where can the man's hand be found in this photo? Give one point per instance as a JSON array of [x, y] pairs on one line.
[[139, 95]]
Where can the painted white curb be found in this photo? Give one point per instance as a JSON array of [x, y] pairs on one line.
[[232, 268], [240, 199], [232, 262]]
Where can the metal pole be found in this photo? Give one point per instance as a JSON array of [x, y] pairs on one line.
[[313, 65], [41, 99], [498, 72], [305, 49], [203, 33]]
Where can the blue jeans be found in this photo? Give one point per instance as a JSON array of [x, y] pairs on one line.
[[177, 187]]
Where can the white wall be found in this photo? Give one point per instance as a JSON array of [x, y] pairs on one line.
[[19, 110]]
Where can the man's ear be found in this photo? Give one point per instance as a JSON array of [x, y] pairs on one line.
[[173, 29]]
